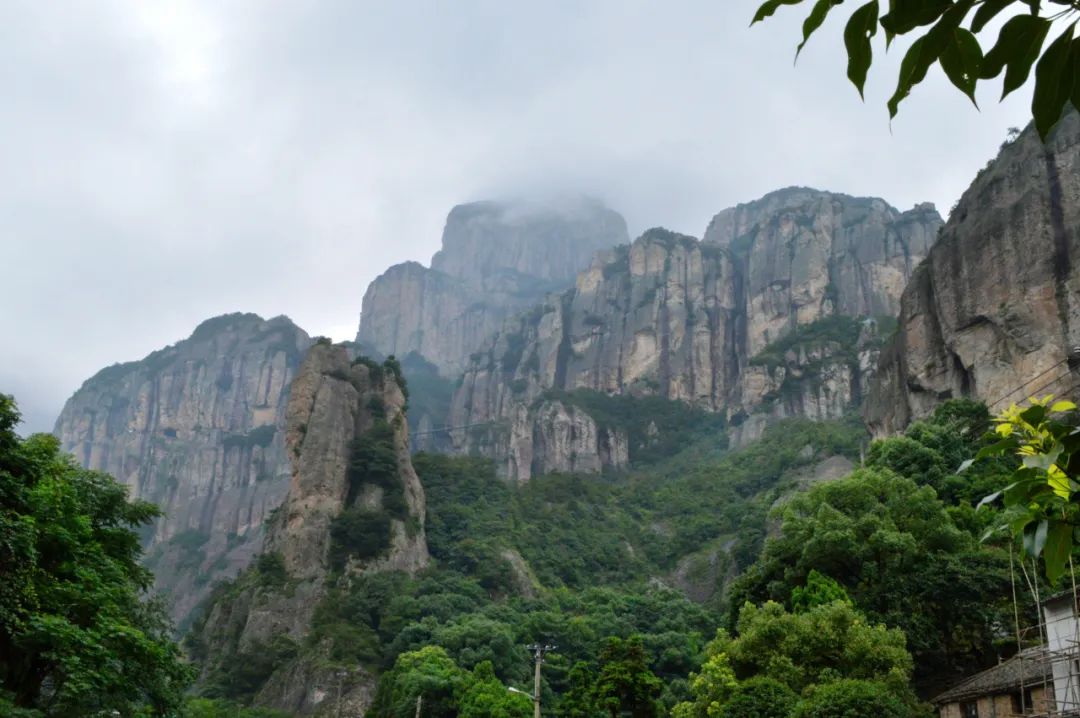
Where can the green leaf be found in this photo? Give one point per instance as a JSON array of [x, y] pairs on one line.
[[769, 7], [961, 59], [925, 51], [1034, 414], [1065, 405], [903, 17], [1053, 83], [912, 72], [1059, 482], [1058, 548], [987, 500], [1018, 524], [1076, 76], [907, 76], [997, 449], [1035, 538], [1044, 460], [857, 33], [1022, 492], [965, 465], [1018, 46], [987, 12], [814, 20]]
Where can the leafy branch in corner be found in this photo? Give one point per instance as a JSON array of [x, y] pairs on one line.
[[1040, 503], [951, 41]]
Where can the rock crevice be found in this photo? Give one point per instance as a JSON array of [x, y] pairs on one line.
[[196, 428], [705, 322], [992, 312]]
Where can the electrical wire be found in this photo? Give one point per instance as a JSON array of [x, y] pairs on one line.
[[1029, 381], [447, 429]]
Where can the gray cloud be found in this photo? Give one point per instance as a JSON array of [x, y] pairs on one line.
[[164, 163]]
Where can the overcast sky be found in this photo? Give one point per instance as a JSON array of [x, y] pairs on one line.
[[163, 163]]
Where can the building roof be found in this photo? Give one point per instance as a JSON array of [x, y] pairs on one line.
[[1028, 668]]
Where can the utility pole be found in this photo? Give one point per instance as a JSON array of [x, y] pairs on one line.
[[539, 651], [340, 679]]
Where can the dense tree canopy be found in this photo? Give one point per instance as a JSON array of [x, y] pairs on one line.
[[77, 636], [895, 548], [575, 560], [625, 686], [778, 657], [428, 673], [1039, 33]]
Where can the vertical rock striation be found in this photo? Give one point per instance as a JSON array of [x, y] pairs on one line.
[[347, 441], [994, 308], [496, 257], [774, 314], [333, 404], [196, 428]]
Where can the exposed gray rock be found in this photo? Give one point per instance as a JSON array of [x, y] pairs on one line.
[[525, 583], [333, 403], [995, 305], [496, 258], [197, 429], [694, 322], [829, 468], [707, 572], [318, 687]]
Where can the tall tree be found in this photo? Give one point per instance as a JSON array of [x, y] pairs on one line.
[[485, 696], [77, 636], [625, 685], [428, 673]]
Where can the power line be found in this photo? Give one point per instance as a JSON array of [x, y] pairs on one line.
[[1048, 384], [454, 428], [1029, 381]]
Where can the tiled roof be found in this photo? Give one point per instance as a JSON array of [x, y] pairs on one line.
[[1028, 668]]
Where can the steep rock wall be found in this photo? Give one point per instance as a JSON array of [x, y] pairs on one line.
[[496, 258], [334, 408], [196, 428], [993, 312], [675, 317]]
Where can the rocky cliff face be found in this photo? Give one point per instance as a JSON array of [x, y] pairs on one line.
[[197, 428], [993, 311], [496, 257], [354, 506], [334, 404], [774, 314]]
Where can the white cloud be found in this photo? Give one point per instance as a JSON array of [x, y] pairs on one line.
[[164, 162]]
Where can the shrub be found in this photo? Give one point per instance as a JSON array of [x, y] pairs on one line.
[[760, 697], [852, 699], [393, 366], [374, 461], [358, 533], [241, 676], [271, 569], [377, 407], [375, 370]]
